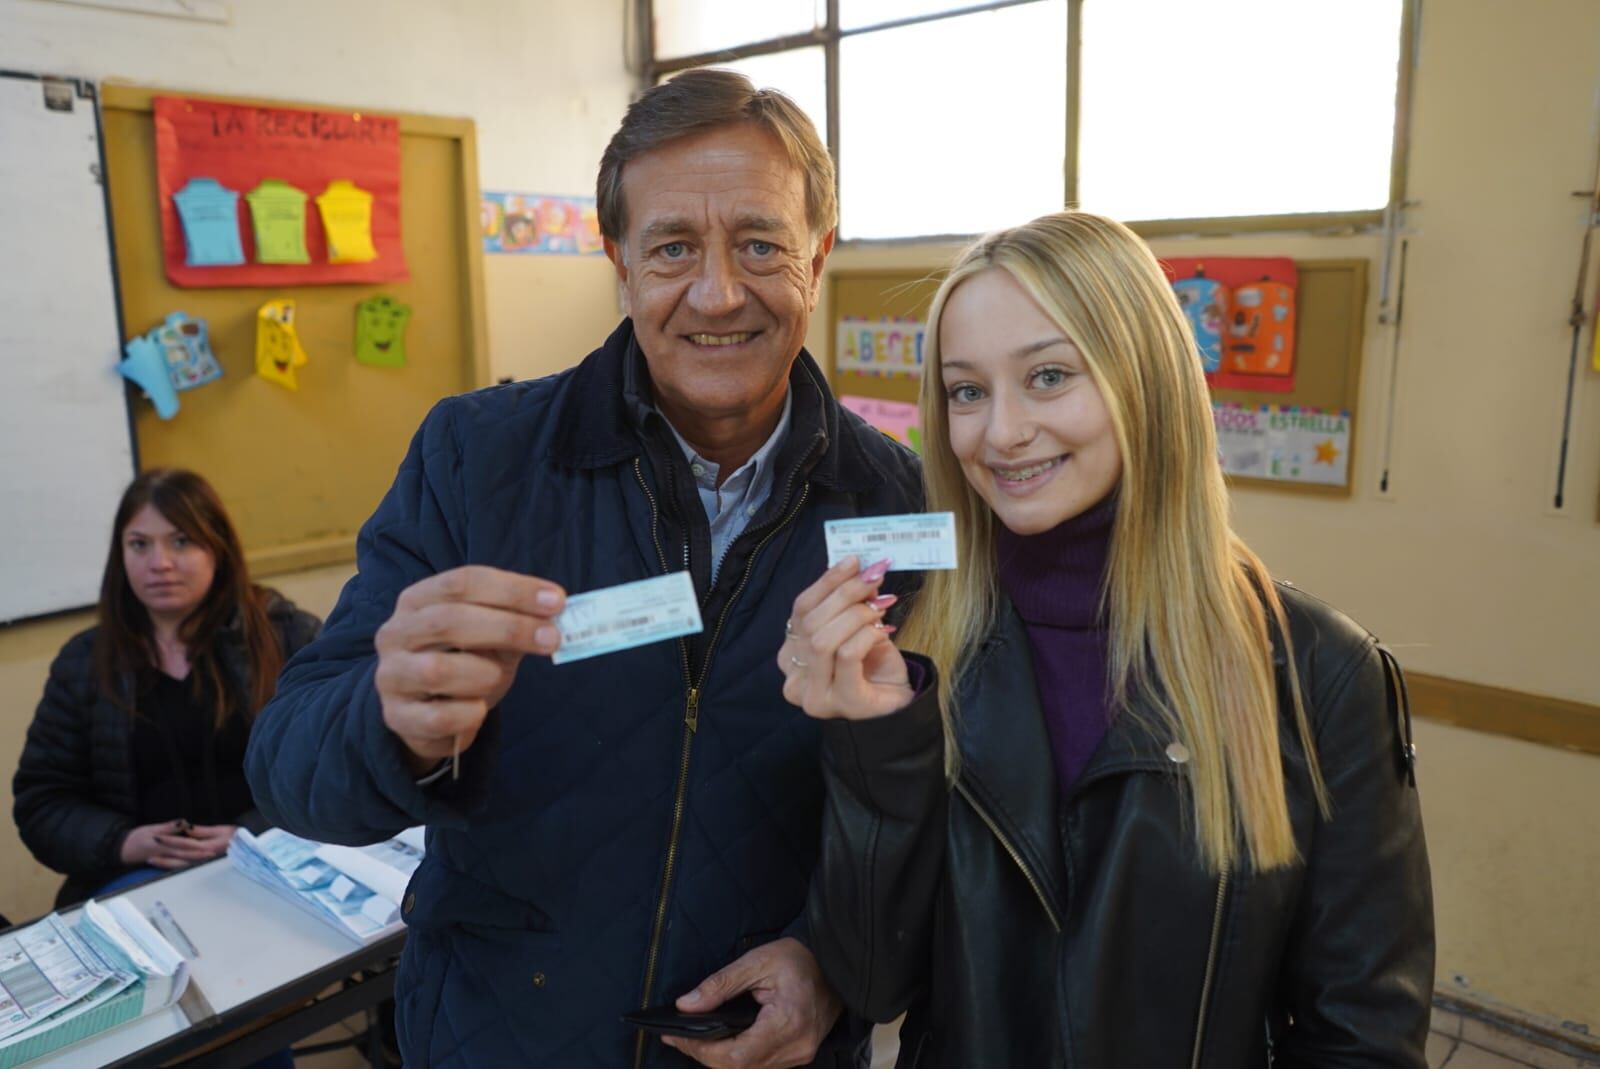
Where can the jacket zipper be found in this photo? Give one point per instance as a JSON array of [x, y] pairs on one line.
[[1027, 873], [691, 725], [1211, 964]]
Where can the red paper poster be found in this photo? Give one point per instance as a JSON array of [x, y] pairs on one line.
[[240, 148], [1261, 317]]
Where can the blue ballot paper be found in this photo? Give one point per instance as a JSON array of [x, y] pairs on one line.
[[629, 615], [919, 541]]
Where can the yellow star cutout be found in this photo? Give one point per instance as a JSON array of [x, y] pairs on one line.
[[1327, 452]]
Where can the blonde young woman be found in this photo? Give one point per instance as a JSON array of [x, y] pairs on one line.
[[1135, 805]]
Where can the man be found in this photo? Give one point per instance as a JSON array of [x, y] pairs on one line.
[[630, 829]]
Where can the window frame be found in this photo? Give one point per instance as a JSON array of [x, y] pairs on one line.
[[830, 34]]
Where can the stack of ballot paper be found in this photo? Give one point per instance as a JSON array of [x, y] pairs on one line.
[[356, 890], [61, 982]]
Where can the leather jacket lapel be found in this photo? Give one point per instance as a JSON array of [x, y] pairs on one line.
[[1006, 765]]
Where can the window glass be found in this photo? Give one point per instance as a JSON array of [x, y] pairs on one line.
[[955, 126], [690, 27], [1236, 107]]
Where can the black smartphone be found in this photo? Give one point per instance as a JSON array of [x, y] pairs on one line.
[[728, 1019]]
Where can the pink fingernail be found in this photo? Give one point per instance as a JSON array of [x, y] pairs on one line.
[[876, 571], [888, 629], [883, 601]]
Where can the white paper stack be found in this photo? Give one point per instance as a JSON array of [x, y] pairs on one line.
[[62, 983], [356, 890]]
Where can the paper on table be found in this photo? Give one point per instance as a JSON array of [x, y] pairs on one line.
[[47, 968], [383, 868]]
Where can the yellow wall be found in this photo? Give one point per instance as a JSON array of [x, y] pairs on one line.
[[1465, 567]]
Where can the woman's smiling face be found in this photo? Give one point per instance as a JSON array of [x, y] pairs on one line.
[[1027, 420]]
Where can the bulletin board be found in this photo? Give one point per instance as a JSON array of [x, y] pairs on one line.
[[300, 471], [878, 295], [1330, 318]]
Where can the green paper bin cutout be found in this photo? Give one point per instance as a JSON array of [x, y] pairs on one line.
[[381, 331], [279, 213]]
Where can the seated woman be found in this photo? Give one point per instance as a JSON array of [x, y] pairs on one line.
[[134, 762], [1140, 806]]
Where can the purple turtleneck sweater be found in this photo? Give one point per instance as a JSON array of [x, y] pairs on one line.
[[1054, 579]]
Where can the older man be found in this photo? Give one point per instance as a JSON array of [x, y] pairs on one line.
[[635, 828]]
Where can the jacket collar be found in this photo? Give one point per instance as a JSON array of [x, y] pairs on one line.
[[1005, 751], [610, 404]]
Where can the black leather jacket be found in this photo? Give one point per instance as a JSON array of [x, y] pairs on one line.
[[1021, 929]]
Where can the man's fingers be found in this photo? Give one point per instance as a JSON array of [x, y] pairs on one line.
[[482, 585], [437, 728], [755, 1046], [741, 974], [455, 674], [162, 862], [468, 626]]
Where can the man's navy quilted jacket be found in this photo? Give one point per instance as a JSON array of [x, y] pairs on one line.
[[558, 861]]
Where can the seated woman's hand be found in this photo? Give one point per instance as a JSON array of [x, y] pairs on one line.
[[175, 844], [836, 657]]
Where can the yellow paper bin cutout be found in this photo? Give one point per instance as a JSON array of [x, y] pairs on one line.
[[279, 213], [347, 218], [278, 349]]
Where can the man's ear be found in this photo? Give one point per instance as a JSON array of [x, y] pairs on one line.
[[819, 259], [618, 255]]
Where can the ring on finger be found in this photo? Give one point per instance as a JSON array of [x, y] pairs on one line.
[[797, 662], [788, 628]]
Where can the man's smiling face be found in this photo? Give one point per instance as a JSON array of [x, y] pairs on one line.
[[719, 269]]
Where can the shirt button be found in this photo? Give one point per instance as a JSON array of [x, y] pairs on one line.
[[699, 470], [538, 979], [1178, 753], [751, 511]]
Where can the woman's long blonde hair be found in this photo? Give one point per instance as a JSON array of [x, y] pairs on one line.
[[1187, 601]]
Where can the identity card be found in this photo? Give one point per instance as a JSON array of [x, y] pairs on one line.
[[631, 614], [920, 541]]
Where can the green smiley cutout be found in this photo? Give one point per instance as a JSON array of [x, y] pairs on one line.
[[381, 331]]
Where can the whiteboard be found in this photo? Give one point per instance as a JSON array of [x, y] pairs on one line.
[[66, 443]]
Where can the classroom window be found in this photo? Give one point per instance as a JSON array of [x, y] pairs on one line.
[[796, 72], [1236, 108], [946, 145], [958, 116], [694, 27]]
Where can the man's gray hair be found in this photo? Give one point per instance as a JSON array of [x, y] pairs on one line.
[[704, 99]]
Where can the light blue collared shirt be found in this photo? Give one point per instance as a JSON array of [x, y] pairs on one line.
[[731, 506]]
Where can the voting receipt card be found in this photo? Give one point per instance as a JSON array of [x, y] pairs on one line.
[[920, 541], [625, 616]]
